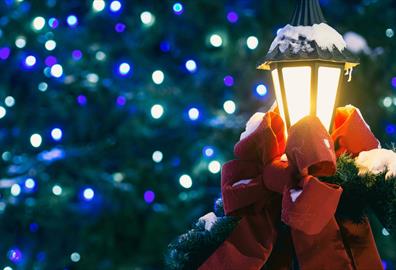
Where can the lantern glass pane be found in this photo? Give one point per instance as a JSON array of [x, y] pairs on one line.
[[297, 81], [328, 79], [278, 95]]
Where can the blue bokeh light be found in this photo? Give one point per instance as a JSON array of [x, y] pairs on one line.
[[208, 151], [72, 20], [178, 8], [390, 129]]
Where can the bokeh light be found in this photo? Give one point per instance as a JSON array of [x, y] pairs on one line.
[[57, 71], [185, 181], [38, 23], [228, 81], [56, 134], [193, 114], [178, 8], [147, 18], [50, 45], [252, 42], [157, 111], [149, 196], [191, 66], [214, 166], [15, 190], [72, 20], [75, 257], [30, 61], [3, 112], [157, 156], [20, 42], [88, 194], [229, 106], [124, 68], [261, 90], [57, 190], [115, 6], [36, 140], [9, 101], [158, 77], [208, 151], [30, 183], [98, 5], [232, 17], [216, 40]]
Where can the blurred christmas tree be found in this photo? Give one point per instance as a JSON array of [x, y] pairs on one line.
[[117, 115]]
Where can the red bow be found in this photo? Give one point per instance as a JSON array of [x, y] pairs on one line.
[[276, 189]]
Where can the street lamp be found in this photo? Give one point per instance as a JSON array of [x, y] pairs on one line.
[[307, 60]]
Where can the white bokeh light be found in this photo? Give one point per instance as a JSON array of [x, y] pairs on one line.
[[185, 181], [147, 18], [38, 23], [261, 89], [36, 140], [20, 42], [3, 112], [98, 5], [9, 101], [157, 156], [158, 77], [193, 114], [191, 65], [229, 106], [88, 194], [50, 45], [56, 134], [30, 61], [56, 71], [216, 40], [115, 6], [124, 68], [57, 190], [157, 111], [214, 166], [75, 257], [252, 42], [30, 183], [15, 190]]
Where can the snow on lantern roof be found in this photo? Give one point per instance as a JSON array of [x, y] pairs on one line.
[[308, 38]]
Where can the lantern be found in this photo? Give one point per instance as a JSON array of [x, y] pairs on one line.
[[307, 60]]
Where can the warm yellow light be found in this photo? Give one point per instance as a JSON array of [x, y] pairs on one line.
[[328, 79], [297, 82], [278, 95]]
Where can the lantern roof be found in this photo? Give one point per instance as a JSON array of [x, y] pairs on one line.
[[308, 38]]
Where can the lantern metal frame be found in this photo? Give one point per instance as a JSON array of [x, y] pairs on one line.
[[308, 13]]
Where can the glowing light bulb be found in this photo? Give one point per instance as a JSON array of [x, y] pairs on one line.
[[36, 140], [185, 181], [214, 166], [158, 77], [229, 106], [147, 18], [157, 111], [56, 71], [216, 40], [38, 23], [57, 190], [98, 5], [157, 156], [50, 45], [252, 42], [193, 114], [191, 66]]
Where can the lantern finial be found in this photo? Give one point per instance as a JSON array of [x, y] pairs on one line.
[[307, 13]]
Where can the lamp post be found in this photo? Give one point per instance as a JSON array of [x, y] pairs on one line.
[[307, 60]]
